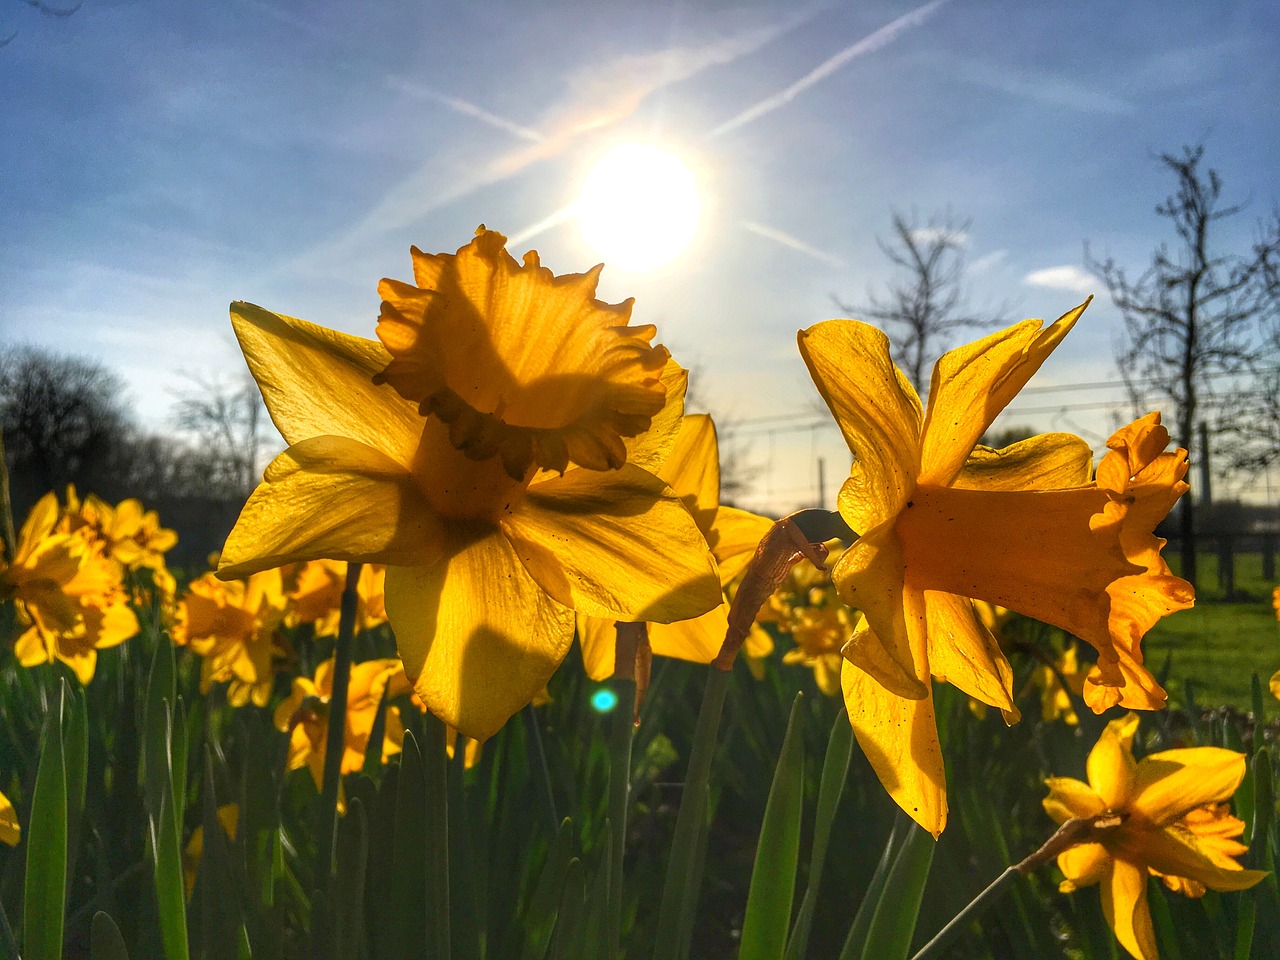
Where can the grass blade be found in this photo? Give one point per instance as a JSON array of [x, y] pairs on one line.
[[45, 886], [894, 922], [105, 942], [773, 879]]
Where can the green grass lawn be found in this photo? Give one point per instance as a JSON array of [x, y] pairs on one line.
[[1217, 647]]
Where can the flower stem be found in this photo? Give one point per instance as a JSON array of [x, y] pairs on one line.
[[680, 884], [6, 509], [975, 909], [620, 738], [334, 747], [534, 735]]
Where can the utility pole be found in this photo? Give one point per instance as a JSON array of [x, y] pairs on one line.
[[822, 483], [1205, 495]]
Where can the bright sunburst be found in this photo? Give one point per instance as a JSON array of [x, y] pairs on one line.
[[639, 207]]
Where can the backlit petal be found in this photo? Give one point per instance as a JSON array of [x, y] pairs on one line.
[[973, 383], [1084, 865], [1173, 851], [318, 381], [878, 413], [1069, 798], [331, 498], [1170, 783], [650, 448], [598, 639], [697, 640], [692, 468], [900, 739], [1049, 461], [478, 637], [963, 652], [869, 576], [1124, 903], [617, 544], [1112, 772], [735, 534]]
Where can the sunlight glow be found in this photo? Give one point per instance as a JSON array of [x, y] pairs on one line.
[[639, 207]]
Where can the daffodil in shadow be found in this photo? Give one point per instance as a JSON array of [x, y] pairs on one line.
[[943, 521], [10, 831], [692, 469], [1165, 815], [315, 596], [493, 450]]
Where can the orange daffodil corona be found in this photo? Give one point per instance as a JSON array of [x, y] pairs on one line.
[[943, 521], [494, 450], [1171, 820]]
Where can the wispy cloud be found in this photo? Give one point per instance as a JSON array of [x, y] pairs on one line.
[[928, 235], [868, 44], [549, 222], [1065, 277], [1043, 87], [988, 260], [794, 243]]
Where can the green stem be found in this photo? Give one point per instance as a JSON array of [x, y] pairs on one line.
[[620, 739], [975, 908], [335, 741], [6, 508], [435, 761], [693, 807], [534, 733]]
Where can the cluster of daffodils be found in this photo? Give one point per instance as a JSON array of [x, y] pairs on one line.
[[74, 571]]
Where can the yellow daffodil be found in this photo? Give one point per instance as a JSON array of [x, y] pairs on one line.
[[1167, 817], [692, 470], [10, 832], [229, 817], [820, 632], [493, 451], [304, 716], [130, 533], [1055, 701], [316, 596], [68, 595], [235, 628], [941, 522]]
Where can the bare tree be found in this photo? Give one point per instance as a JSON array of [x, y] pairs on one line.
[[927, 301], [1192, 317], [64, 421], [227, 420]]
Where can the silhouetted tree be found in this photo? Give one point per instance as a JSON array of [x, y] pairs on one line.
[[227, 421], [1192, 316], [926, 302]]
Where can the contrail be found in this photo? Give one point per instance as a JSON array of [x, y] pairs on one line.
[[553, 219], [868, 44], [465, 107], [777, 236]]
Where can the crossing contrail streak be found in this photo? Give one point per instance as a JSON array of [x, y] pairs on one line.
[[787, 240], [542, 226], [466, 108], [868, 44]]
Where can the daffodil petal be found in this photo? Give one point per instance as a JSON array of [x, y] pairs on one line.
[[1124, 903], [332, 498], [1169, 783], [973, 383], [1084, 865], [963, 652], [900, 740], [478, 637], [650, 448], [697, 640], [1174, 852], [1069, 798], [598, 639], [617, 544], [878, 412], [735, 534], [1112, 772], [692, 468], [1048, 461], [869, 576], [10, 832], [318, 381]]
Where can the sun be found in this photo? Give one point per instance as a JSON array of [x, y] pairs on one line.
[[639, 207]]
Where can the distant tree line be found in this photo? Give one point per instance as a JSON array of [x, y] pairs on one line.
[[66, 420]]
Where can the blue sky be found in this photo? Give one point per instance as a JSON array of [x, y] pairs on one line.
[[160, 159]]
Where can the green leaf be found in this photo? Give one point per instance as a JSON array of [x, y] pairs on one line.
[[835, 771], [894, 922], [220, 894], [348, 889], [435, 761], [540, 919], [773, 879], [75, 758], [178, 745], [377, 733], [409, 856], [866, 909], [105, 942], [166, 852], [45, 884], [567, 944]]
